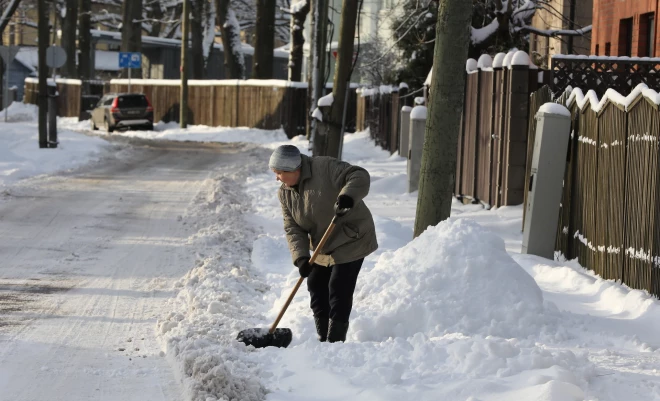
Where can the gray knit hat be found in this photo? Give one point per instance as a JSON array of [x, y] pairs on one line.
[[285, 158]]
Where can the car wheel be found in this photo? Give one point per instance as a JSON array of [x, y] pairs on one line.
[[107, 126], [149, 127]]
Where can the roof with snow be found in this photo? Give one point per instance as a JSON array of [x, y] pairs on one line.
[[152, 41], [104, 60]]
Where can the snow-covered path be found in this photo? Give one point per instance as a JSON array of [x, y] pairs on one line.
[[89, 260]]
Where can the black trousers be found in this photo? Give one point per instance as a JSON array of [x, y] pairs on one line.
[[331, 289]]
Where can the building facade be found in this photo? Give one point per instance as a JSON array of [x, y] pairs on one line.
[[558, 15], [625, 28]]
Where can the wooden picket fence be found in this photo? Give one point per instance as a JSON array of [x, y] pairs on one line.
[[265, 104], [70, 94], [379, 110], [228, 103], [492, 145], [609, 217]]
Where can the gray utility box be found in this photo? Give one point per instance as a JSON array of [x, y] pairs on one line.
[[416, 146], [553, 126]]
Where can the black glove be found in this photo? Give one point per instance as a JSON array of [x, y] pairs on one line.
[[304, 268], [343, 204]]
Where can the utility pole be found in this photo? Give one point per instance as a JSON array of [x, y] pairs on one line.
[[183, 111], [318, 59], [43, 37], [85, 44], [438, 172]]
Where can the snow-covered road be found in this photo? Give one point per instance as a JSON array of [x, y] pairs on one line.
[[89, 260]]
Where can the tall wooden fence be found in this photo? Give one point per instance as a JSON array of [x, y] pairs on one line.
[[379, 111], [228, 103], [69, 91], [609, 217], [266, 104], [492, 145]]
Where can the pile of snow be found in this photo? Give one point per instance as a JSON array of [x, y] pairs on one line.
[[454, 278], [20, 112], [220, 296], [21, 157]]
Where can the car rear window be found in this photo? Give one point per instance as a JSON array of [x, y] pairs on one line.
[[132, 101]]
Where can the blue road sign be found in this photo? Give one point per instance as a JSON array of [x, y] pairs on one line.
[[130, 60]]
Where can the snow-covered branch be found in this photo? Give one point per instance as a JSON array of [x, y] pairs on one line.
[[9, 11], [554, 32], [479, 35]]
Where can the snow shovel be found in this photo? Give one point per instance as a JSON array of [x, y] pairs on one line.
[[274, 337]]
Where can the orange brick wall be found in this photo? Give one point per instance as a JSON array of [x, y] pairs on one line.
[[607, 17]]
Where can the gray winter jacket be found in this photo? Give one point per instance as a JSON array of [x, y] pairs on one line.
[[308, 209]]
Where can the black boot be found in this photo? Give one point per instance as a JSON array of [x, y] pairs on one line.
[[337, 331], [321, 324]]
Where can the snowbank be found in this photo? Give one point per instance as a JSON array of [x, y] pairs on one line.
[[21, 157], [424, 286], [220, 296]]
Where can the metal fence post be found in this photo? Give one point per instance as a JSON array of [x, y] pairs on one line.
[[52, 116], [404, 137]]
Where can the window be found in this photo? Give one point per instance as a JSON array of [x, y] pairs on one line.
[[597, 50], [132, 101], [625, 37], [608, 47], [646, 42]]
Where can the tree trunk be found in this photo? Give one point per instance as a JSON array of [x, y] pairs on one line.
[[209, 18], [443, 123], [131, 32], [42, 102], [69, 27], [7, 14], [328, 137], [231, 41], [297, 42], [196, 39], [185, 25], [85, 43], [157, 14], [264, 43], [317, 60]]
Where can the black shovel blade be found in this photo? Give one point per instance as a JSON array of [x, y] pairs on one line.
[[261, 338]]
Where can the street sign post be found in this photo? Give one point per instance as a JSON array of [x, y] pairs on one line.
[[8, 53], [130, 60], [55, 57]]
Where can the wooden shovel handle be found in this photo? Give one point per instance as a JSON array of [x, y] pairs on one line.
[[301, 279]]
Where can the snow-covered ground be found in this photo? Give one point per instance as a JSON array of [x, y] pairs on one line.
[[456, 314]]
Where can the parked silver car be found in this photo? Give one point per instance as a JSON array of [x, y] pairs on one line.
[[123, 110]]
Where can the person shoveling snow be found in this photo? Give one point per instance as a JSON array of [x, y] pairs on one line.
[[320, 192]]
